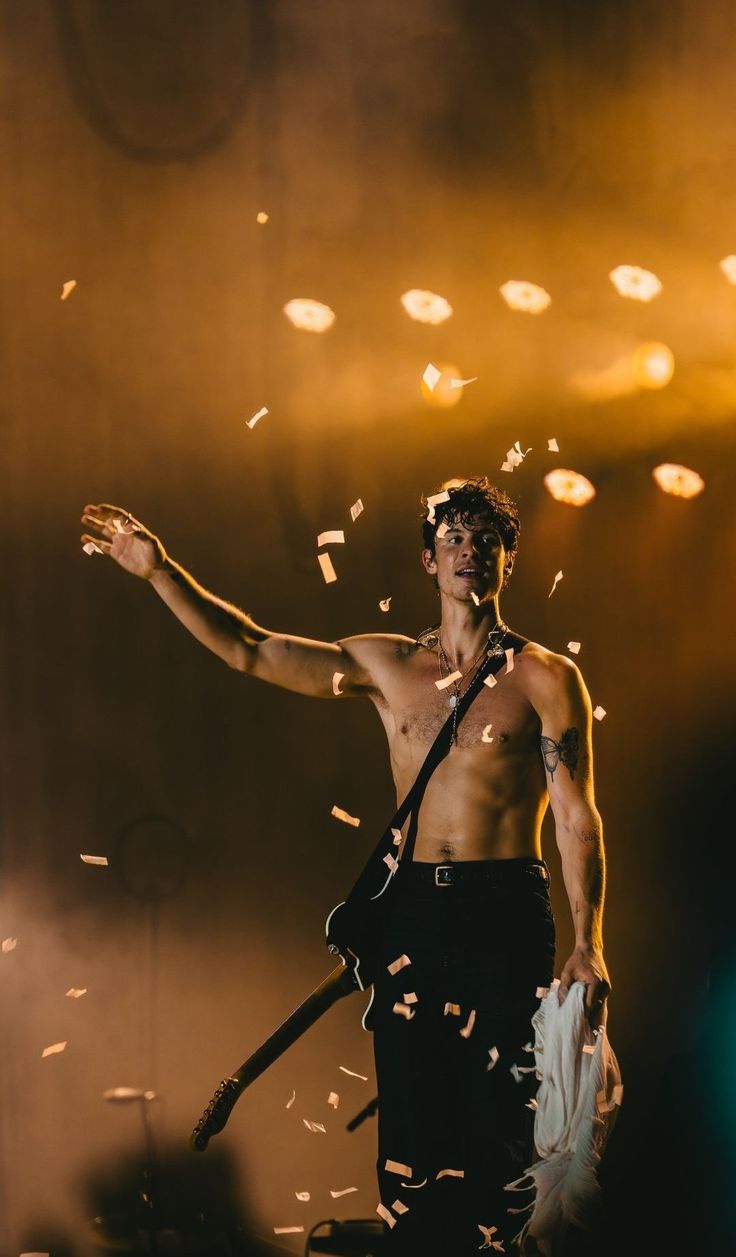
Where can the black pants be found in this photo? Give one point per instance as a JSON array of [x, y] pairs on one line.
[[449, 1100]]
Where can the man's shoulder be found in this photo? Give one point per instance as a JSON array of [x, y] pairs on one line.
[[546, 669], [368, 647]]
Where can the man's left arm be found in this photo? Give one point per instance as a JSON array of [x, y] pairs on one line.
[[564, 708]]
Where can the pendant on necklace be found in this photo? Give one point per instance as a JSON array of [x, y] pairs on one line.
[[453, 700]]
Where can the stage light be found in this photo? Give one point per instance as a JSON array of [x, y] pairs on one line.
[[445, 394], [677, 480], [635, 282], [569, 486], [425, 306], [519, 294], [653, 364], [261, 217], [308, 315], [728, 266]]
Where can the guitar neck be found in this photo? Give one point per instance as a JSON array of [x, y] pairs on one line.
[[336, 985]]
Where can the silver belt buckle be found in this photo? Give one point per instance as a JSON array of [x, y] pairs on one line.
[[447, 879]]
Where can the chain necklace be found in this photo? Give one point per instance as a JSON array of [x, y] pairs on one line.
[[493, 646]]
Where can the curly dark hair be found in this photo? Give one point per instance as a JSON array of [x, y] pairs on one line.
[[469, 498]]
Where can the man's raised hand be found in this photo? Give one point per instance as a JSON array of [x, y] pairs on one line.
[[121, 536]]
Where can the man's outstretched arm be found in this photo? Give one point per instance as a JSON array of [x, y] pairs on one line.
[[564, 708], [296, 663]]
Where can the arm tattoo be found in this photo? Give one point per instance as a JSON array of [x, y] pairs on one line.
[[563, 752]]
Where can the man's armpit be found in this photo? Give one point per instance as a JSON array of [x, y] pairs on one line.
[[563, 752]]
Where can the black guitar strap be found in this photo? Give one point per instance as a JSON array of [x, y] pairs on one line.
[[368, 883]]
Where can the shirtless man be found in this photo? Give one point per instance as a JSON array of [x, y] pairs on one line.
[[475, 915]]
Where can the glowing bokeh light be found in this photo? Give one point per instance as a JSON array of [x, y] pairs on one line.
[[635, 282], [728, 266], [425, 306], [677, 480], [569, 486], [653, 365], [444, 395], [261, 217], [308, 315], [519, 294]]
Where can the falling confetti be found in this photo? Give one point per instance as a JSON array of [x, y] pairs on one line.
[[76, 992], [399, 1207], [328, 570], [336, 537], [467, 1029], [599, 712], [552, 445], [261, 216], [345, 816], [316, 1127], [337, 677], [449, 1174], [514, 457], [411, 998], [509, 660], [490, 682], [251, 423], [488, 1242], [431, 376], [90, 548], [356, 509], [541, 991], [395, 967], [68, 287], [557, 580], [9, 944], [494, 1055], [574, 648], [94, 859], [385, 604], [333, 1099], [387, 1216], [452, 1010], [397, 1167], [291, 1101], [426, 307], [352, 1074], [55, 1047], [303, 1195], [391, 861], [484, 737], [461, 383], [414, 1186], [569, 486], [345, 1191], [445, 681], [519, 294], [475, 597], [288, 1230], [635, 282], [441, 529], [402, 1011], [308, 315], [589, 1048], [434, 500], [680, 481]]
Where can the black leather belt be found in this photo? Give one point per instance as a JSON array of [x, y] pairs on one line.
[[475, 872]]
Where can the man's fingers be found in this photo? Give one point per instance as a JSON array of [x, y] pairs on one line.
[[562, 993], [104, 546]]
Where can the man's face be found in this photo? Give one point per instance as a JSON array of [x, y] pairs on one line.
[[470, 558]]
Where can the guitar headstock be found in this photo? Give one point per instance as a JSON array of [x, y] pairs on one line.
[[215, 1115]]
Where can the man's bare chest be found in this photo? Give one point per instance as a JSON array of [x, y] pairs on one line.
[[414, 711]]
